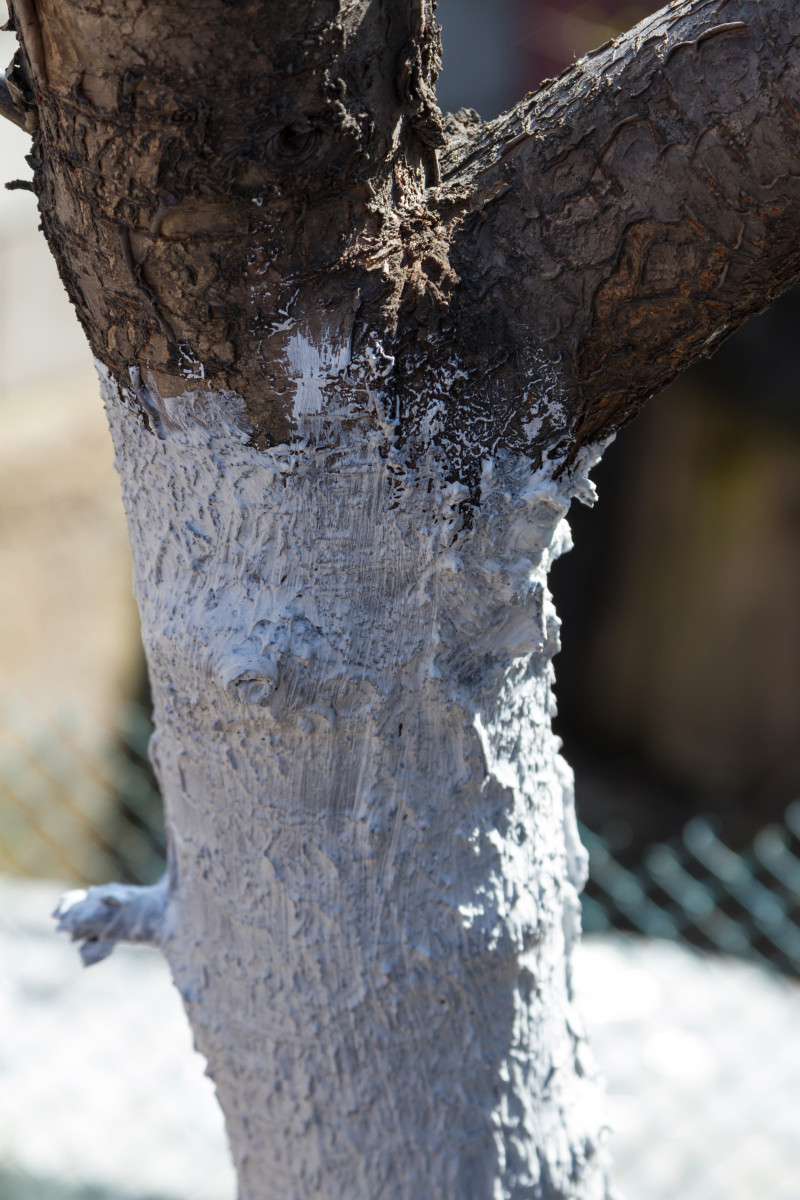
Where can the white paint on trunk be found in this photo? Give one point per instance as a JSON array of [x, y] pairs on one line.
[[100, 917], [375, 867]]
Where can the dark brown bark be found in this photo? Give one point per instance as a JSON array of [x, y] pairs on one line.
[[648, 201], [207, 171]]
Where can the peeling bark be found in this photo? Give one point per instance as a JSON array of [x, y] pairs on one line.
[[357, 360]]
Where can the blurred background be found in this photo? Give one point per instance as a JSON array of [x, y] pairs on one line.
[[679, 696]]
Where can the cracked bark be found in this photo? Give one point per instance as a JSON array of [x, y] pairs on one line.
[[357, 360]]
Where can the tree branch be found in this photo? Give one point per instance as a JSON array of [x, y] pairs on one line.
[[638, 208]]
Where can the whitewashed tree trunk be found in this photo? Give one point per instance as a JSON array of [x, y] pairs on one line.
[[374, 887], [356, 357]]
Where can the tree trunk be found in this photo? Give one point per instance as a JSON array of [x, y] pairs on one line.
[[374, 885], [357, 361]]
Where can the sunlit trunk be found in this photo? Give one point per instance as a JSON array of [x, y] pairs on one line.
[[375, 870]]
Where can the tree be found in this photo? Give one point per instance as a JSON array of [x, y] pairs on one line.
[[357, 360]]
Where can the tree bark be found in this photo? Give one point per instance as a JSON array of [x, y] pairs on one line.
[[357, 361]]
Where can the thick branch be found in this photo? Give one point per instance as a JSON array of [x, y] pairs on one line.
[[639, 207]]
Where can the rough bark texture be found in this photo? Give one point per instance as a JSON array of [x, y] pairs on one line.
[[650, 202], [372, 832], [356, 361], [208, 175]]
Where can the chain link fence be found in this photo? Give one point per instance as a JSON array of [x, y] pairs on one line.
[[696, 889], [79, 803], [687, 979]]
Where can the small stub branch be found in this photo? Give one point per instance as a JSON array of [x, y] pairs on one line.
[[10, 109], [100, 917]]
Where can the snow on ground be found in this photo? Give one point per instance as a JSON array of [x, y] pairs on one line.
[[701, 1055], [102, 1096], [99, 1084]]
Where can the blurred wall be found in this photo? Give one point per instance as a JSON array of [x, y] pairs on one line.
[[479, 43], [550, 34]]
